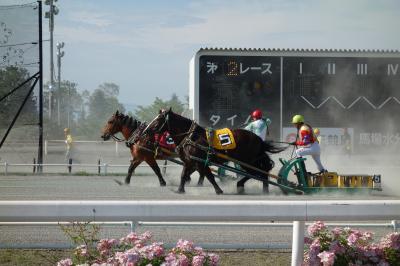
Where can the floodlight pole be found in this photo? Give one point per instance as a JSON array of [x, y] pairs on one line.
[[50, 15], [59, 55], [51, 29], [40, 148]]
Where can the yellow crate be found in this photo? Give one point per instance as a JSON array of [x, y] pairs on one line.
[[355, 181], [329, 179]]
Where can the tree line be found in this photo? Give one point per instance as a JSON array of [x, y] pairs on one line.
[[88, 110]]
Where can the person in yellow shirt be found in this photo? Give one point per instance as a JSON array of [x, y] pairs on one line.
[[68, 144], [317, 134]]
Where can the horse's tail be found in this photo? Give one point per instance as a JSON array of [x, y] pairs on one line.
[[272, 148]]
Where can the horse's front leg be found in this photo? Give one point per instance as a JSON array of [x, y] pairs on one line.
[[201, 179], [153, 164], [134, 163], [185, 175]]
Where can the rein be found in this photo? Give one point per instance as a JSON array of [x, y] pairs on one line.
[[117, 139]]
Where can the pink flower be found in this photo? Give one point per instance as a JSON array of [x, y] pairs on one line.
[[183, 260], [307, 240], [336, 248], [121, 258], [146, 236], [315, 248], [132, 237], [132, 257], [152, 251], [170, 260], [199, 251], [185, 245], [214, 259], [352, 239], [327, 258], [105, 245], [198, 260], [391, 241], [316, 228], [367, 235], [65, 262], [337, 231]]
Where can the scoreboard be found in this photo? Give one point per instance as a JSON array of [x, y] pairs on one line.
[[357, 91]]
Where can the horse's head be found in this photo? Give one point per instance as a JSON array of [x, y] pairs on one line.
[[113, 126], [160, 123]]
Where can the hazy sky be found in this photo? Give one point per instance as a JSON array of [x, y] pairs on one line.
[[145, 46]]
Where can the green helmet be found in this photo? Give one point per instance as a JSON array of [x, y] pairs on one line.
[[297, 119]]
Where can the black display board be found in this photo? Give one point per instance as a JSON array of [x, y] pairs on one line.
[[231, 87], [361, 93]]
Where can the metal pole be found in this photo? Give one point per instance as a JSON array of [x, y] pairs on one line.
[[58, 108], [34, 165], [60, 54], [69, 165], [281, 102], [99, 167], [394, 224], [51, 28], [298, 243], [105, 168], [40, 151]]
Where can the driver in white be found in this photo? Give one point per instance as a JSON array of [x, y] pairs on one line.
[[259, 125], [307, 142]]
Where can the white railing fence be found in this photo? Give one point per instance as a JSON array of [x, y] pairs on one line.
[[77, 142], [211, 211], [101, 168]]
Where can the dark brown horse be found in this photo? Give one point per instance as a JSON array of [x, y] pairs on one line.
[[142, 149], [250, 148]]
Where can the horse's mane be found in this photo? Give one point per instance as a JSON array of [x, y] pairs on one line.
[[130, 122], [178, 116]]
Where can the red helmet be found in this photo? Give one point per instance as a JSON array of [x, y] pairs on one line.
[[256, 114]]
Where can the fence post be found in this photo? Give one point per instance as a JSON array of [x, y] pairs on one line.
[[105, 168], [5, 168], [45, 147], [99, 167], [134, 225], [394, 224], [298, 243], [34, 164], [116, 148], [69, 165]]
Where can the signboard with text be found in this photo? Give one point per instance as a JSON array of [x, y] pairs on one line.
[[357, 90]]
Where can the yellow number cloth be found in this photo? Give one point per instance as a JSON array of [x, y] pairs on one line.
[[222, 139]]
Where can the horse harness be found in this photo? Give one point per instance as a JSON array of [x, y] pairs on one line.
[[136, 134], [134, 137]]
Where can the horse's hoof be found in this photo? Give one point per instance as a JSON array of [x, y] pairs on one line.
[[126, 183], [181, 192], [219, 192], [199, 184], [163, 184], [240, 190]]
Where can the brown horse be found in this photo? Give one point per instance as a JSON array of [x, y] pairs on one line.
[[250, 148], [142, 149]]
